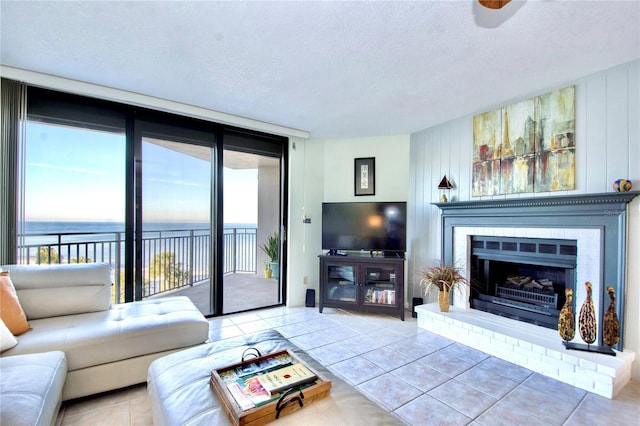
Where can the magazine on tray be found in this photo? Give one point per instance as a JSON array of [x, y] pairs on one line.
[[256, 367], [245, 385]]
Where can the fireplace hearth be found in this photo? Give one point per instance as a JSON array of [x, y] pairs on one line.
[[597, 222], [522, 278]]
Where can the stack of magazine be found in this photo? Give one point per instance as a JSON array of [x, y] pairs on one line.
[[260, 382]]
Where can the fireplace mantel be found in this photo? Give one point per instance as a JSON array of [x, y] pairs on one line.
[[616, 198], [606, 212]]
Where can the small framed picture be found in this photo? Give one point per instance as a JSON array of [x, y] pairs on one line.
[[365, 176]]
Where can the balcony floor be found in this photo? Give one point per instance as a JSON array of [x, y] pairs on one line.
[[242, 291]]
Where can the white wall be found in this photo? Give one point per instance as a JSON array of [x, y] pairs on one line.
[[306, 166], [323, 170], [392, 174], [607, 148]]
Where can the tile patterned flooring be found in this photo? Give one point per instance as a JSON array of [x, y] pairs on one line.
[[422, 378]]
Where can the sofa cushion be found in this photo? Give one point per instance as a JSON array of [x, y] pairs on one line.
[[125, 331], [31, 388], [7, 341], [11, 311], [67, 288]]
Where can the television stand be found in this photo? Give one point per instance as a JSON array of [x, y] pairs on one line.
[[393, 254], [363, 283]]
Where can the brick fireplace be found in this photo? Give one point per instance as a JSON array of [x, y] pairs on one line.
[[596, 224]]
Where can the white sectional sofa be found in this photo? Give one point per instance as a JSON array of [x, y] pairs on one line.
[[31, 388], [106, 347]]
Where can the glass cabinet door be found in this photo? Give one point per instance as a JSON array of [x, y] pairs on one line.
[[341, 283], [379, 285]]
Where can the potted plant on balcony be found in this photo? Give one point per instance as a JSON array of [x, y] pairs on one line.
[[444, 278], [267, 270], [272, 249]]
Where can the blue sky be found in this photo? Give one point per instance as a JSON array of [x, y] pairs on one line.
[[78, 174]]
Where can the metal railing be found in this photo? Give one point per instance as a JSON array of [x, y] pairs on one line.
[[172, 259]]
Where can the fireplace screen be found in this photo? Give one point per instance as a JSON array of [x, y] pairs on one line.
[[522, 278]]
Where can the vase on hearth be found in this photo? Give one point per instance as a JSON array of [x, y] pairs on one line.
[[443, 300], [610, 324], [567, 320], [587, 318], [442, 279]]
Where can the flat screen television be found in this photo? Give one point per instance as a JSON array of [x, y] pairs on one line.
[[370, 226]]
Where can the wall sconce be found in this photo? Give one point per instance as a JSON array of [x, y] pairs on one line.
[[443, 186]]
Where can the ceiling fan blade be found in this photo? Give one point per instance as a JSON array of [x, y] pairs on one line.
[[494, 4]]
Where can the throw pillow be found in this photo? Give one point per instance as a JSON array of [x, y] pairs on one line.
[[11, 312], [7, 341]]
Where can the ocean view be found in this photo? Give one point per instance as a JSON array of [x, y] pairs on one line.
[[64, 227], [104, 241]]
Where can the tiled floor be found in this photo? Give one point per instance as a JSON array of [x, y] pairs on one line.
[[423, 378]]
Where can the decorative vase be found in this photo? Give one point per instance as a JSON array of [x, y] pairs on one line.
[[622, 185], [566, 320], [267, 273], [443, 300], [587, 318], [610, 325]]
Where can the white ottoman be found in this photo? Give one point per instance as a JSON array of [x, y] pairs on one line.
[[180, 393]]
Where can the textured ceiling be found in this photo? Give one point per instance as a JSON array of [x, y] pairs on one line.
[[335, 69]]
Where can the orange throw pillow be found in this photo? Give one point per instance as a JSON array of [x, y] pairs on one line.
[[10, 310]]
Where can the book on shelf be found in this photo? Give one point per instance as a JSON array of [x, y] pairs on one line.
[[384, 297]]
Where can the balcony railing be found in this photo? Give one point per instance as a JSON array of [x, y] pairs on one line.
[[171, 259]]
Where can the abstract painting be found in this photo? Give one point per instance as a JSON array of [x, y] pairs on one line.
[[517, 160], [555, 155], [486, 153], [526, 147]]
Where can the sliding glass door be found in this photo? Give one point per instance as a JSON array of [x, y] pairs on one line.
[[251, 231], [177, 206], [174, 243]]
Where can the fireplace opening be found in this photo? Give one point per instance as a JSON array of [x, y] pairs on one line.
[[522, 278]]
